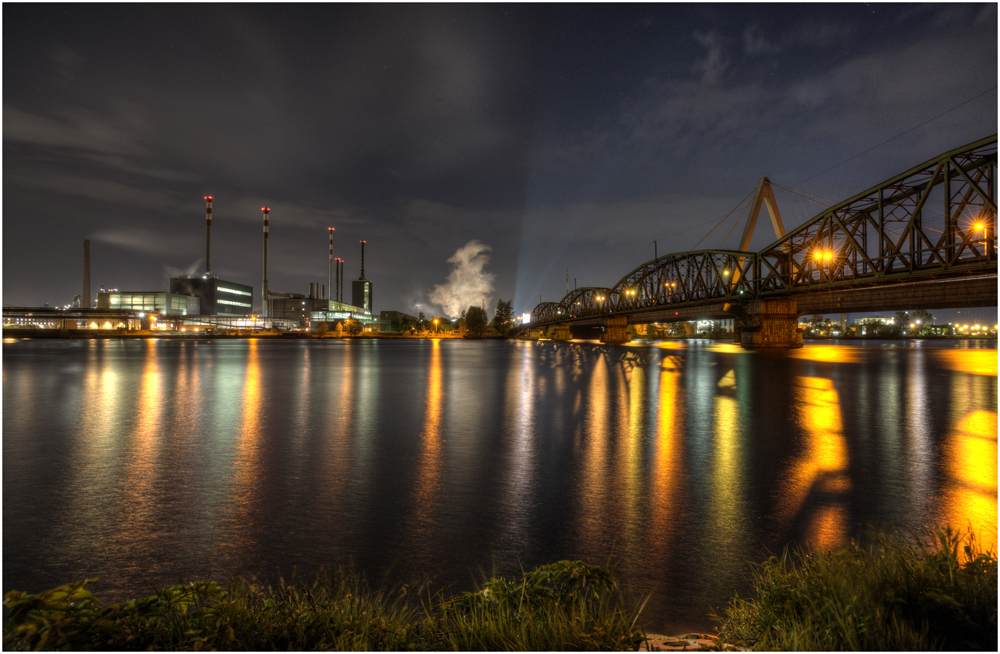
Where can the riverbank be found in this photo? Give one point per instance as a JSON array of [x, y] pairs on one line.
[[935, 591]]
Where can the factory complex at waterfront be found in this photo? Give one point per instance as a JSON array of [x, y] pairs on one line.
[[206, 303]]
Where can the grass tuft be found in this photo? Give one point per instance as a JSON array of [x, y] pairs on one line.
[[562, 606], [936, 591]]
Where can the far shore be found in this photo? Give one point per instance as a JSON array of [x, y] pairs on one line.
[[73, 334]]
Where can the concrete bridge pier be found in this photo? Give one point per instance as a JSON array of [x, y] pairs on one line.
[[562, 333], [769, 324], [616, 330]]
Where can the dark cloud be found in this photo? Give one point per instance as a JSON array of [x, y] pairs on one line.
[[561, 136]]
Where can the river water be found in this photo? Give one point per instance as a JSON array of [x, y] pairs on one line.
[[681, 462]]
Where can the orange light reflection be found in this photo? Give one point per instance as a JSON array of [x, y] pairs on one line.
[[429, 467], [828, 353], [823, 465], [971, 456], [668, 465], [974, 362]]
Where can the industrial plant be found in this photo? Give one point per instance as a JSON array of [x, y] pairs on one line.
[[206, 303]]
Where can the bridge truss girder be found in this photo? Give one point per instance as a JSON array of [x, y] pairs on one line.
[[935, 221]]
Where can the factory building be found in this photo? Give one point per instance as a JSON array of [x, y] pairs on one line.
[[166, 303], [361, 294], [361, 288], [218, 297]]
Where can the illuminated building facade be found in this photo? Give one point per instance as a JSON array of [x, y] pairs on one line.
[[218, 297], [165, 303]]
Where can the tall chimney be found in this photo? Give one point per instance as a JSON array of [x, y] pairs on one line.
[[362, 259], [331, 263], [208, 236], [85, 301], [340, 279], [264, 306]]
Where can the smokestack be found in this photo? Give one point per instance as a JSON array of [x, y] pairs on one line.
[[331, 264], [264, 306], [208, 236], [340, 279], [85, 299], [362, 259]]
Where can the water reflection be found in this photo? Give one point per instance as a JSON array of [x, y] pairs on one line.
[[971, 462], [244, 498], [685, 461], [668, 473], [141, 474], [821, 471], [728, 476], [429, 464]]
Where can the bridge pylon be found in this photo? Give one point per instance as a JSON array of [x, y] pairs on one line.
[[769, 324], [616, 330], [562, 333]]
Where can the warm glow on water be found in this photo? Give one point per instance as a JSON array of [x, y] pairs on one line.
[[682, 461], [972, 463], [974, 362], [831, 353], [821, 469]]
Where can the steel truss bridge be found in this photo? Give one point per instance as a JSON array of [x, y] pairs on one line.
[[923, 239]]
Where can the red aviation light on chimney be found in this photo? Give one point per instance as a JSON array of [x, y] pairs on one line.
[[330, 228], [208, 197], [264, 209]]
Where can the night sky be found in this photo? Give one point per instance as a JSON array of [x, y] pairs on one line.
[[563, 137]]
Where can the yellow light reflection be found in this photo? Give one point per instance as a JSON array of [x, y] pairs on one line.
[[671, 345], [827, 353], [668, 465], [823, 465], [728, 482], [725, 347], [630, 453], [594, 490], [429, 468], [140, 463], [248, 446], [974, 362], [971, 456]]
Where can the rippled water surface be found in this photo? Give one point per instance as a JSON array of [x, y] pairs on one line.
[[136, 461]]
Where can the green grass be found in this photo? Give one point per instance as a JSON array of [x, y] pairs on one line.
[[937, 591], [561, 606]]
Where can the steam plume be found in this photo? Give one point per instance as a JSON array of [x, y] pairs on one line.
[[467, 284], [170, 271]]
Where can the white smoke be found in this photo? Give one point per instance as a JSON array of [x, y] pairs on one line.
[[467, 284], [171, 272]]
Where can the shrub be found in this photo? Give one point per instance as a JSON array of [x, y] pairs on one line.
[[930, 592], [568, 605]]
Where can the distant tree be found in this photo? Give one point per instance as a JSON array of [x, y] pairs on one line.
[[353, 327], [475, 321], [923, 321], [503, 317]]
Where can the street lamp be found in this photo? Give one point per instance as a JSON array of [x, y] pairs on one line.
[[435, 325]]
